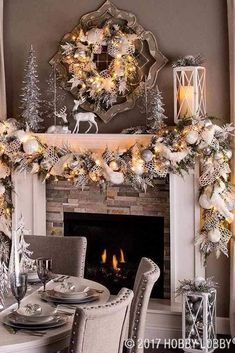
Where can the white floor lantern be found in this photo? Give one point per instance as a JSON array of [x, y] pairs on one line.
[[199, 321], [189, 91]]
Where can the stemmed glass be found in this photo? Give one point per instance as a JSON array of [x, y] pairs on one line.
[[44, 269], [18, 286]]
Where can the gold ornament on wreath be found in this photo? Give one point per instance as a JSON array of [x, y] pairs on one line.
[[105, 58]]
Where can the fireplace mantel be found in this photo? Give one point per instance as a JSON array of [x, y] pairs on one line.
[[97, 142], [184, 209]]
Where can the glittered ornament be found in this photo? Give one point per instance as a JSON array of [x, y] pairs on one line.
[[192, 137], [31, 146], [147, 155], [214, 235]]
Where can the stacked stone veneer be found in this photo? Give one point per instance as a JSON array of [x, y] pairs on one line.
[[63, 197]]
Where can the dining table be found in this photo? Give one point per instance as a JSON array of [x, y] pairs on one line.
[[52, 340]]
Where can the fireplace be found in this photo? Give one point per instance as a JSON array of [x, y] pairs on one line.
[[116, 244]]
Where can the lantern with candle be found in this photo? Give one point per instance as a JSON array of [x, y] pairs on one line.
[[189, 91]]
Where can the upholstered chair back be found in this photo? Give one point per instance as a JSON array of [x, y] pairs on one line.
[[102, 328], [147, 274], [68, 253]]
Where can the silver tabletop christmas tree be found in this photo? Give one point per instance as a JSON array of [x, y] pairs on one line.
[[30, 97]]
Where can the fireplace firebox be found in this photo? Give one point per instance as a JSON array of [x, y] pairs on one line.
[[116, 244]]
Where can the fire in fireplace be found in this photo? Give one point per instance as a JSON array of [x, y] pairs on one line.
[[116, 244]]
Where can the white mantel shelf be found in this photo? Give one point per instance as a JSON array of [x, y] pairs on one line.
[[81, 142]]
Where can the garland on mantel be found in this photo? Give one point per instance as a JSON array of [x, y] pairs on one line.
[[172, 150]]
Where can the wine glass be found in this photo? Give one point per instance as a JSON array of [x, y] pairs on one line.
[[44, 269], [18, 286]]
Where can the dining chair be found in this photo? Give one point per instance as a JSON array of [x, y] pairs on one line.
[[102, 328], [147, 274], [68, 253]]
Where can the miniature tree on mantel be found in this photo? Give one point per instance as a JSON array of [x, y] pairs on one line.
[[30, 101]]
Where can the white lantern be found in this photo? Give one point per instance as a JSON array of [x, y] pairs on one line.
[[199, 326], [189, 91]]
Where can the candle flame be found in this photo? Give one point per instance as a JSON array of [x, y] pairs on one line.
[[104, 256], [115, 262], [122, 257]]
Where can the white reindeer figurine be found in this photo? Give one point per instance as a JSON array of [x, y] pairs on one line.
[[89, 117], [58, 129]]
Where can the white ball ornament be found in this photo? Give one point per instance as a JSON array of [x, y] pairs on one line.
[[31, 146], [214, 235], [207, 123], [2, 189], [205, 202], [147, 155], [228, 154], [22, 135], [192, 137]]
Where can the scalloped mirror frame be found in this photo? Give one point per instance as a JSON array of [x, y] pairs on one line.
[[150, 51]]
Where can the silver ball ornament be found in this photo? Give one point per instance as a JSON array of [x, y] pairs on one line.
[[192, 137], [147, 155], [31, 146]]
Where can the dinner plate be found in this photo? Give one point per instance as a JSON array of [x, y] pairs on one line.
[[17, 319], [55, 299], [60, 322]]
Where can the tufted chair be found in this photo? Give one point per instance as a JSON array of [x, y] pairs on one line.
[[147, 274], [68, 253], [102, 328]]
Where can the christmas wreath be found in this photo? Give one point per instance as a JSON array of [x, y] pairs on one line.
[[101, 63]]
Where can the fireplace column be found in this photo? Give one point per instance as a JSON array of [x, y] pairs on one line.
[[29, 200]]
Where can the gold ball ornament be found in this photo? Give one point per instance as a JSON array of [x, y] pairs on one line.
[[192, 137], [114, 165], [147, 155], [2, 189], [31, 146], [214, 235]]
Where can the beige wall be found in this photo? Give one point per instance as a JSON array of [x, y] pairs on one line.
[[182, 27]]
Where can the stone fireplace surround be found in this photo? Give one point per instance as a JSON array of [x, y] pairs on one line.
[[123, 200], [164, 316]]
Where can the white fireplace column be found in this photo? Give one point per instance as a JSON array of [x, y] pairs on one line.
[[29, 200]]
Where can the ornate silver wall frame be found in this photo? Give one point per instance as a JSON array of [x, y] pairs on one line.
[[149, 57]]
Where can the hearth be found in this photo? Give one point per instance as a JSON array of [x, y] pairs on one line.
[[116, 244]]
